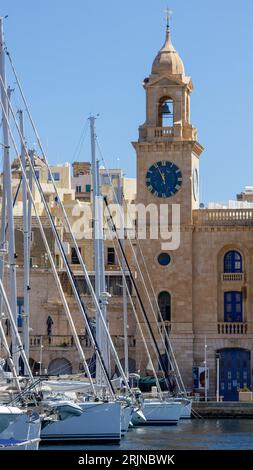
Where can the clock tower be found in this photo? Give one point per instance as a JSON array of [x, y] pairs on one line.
[[168, 173], [167, 149]]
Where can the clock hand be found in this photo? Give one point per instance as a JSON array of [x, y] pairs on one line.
[[162, 175]]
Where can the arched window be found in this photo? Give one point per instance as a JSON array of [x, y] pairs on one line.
[[165, 112], [164, 303], [232, 262]]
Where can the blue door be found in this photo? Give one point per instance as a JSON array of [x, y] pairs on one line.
[[233, 306], [234, 372]]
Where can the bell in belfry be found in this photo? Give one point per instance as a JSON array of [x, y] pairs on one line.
[[165, 108]]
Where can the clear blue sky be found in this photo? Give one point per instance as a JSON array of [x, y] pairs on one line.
[[81, 57]]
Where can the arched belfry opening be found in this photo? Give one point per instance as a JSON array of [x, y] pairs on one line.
[[165, 112]]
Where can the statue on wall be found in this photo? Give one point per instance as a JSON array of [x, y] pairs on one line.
[[49, 328]]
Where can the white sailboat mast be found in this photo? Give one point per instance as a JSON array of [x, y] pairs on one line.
[[124, 286], [9, 200], [98, 255], [101, 275], [26, 249], [3, 251], [9, 357]]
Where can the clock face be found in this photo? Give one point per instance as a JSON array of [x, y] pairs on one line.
[[164, 179], [195, 184]]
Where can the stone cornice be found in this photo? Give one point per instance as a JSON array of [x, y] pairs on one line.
[[179, 80], [223, 228], [165, 146]]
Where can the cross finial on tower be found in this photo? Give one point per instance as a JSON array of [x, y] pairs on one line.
[[168, 17]]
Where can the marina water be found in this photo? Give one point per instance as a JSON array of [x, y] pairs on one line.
[[197, 434]]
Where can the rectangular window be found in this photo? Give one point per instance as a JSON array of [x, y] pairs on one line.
[[88, 188], [37, 173], [20, 309], [82, 284], [110, 255], [233, 306], [56, 176], [78, 189], [74, 257], [57, 261], [114, 285]]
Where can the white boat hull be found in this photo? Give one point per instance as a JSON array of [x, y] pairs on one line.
[[186, 406], [158, 413], [98, 422], [21, 427], [126, 416], [186, 410]]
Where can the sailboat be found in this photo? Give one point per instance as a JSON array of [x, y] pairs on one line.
[[19, 429], [105, 415], [101, 419]]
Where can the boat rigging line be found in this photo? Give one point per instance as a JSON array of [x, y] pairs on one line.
[[160, 358], [56, 277], [166, 342], [70, 275], [123, 271], [68, 226]]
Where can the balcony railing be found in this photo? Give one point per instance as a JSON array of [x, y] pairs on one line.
[[118, 341], [223, 217], [230, 328], [166, 324], [164, 132], [67, 341], [233, 277], [54, 341]]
